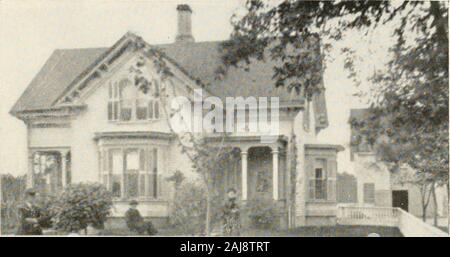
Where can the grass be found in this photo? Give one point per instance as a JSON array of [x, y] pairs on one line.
[[330, 231]]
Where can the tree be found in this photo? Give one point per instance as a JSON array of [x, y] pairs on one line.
[[206, 159], [422, 181], [409, 106]]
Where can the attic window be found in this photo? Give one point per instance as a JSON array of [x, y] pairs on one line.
[[128, 103]]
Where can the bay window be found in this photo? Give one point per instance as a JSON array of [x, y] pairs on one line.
[[130, 173], [128, 103]]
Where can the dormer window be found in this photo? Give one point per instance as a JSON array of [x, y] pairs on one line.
[[128, 103]]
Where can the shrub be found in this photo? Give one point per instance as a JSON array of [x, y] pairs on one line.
[[12, 191], [81, 205], [262, 213], [188, 211], [47, 204]]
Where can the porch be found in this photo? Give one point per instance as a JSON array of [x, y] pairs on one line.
[[49, 169], [258, 170]]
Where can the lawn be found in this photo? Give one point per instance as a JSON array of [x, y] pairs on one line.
[[332, 231], [329, 231]]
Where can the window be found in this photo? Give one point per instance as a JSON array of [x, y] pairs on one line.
[[113, 104], [128, 103], [115, 156], [369, 193], [47, 172], [130, 172], [321, 185]]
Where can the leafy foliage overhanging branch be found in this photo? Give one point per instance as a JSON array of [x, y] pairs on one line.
[[409, 111]]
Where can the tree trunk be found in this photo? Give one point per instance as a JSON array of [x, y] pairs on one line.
[[424, 213], [447, 204], [425, 200], [435, 205], [208, 215], [208, 207], [423, 193]]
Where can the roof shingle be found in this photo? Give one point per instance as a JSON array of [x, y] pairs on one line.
[[199, 59]]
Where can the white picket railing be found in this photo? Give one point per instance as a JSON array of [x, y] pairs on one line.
[[362, 215], [408, 224]]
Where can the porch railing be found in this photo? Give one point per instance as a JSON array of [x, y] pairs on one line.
[[408, 224], [362, 215]]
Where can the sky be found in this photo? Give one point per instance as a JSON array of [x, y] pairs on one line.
[[31, 30]]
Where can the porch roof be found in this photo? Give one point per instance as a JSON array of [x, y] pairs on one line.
[[134, 135], [337, 148], [246, 142]]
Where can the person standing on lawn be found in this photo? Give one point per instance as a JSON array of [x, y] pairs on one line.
[[29, 215], [231, 215], [136, 223]]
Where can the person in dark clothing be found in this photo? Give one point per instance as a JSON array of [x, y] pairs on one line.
[[231, 215], [29, 215], [136, 223]]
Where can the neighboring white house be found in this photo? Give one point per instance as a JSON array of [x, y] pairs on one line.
[[87, 122], [377, 186]]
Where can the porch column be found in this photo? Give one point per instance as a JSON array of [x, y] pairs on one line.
[[275, 174], [244, 175], [63, 168], [122, 180], [30, 175]]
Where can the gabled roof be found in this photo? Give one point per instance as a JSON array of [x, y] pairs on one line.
[[63, 66], [199, 59]]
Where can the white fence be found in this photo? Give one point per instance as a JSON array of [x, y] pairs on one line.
[[374, 216], [412, 226], [408, 224]]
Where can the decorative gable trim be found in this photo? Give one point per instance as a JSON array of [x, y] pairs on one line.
[[129, 42], [95, 70], [62, 111]]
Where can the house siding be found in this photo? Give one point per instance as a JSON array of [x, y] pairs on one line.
[[78, 134]]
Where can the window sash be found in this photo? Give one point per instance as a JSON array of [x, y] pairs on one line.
[[139, 108], [369, 193], [141, 181], [318, 189], [322, 189]]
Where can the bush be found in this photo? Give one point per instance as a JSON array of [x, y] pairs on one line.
[[188, 212], [12, 191], [81, 205], [262, 213], [46, 205]]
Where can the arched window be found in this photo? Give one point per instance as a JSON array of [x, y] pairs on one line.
[[128, 103]]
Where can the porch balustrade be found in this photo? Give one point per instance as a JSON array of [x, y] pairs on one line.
[[408, 224]]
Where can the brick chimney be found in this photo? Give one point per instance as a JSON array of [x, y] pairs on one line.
[[184, 33]]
